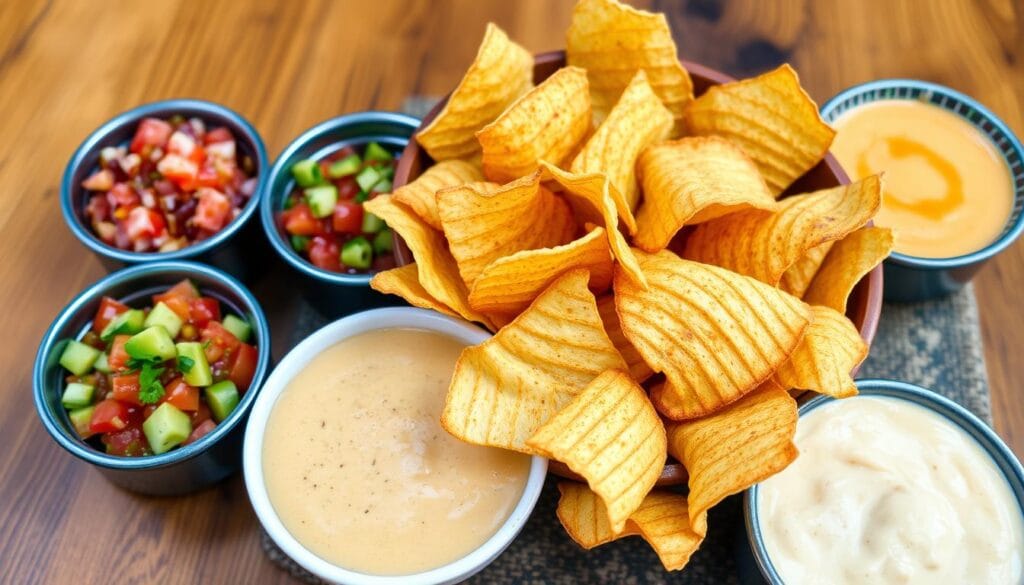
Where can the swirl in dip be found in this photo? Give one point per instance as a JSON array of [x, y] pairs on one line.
[[886, 491]]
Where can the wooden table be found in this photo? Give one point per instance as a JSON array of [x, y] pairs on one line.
[[65, 67]]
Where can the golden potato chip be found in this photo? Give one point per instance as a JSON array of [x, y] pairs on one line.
[[482, 225], [437, 271], [693, 180], [847, 262], [421, 194], [822, 362], [509, 284], [715, 334], [726, 453], [613, 41], [545, 124], [798, 277], [638, 119], [404, 282], [501, 73], [765, 244], [638, 368], [771, 118], [508, 386], [610, 435], [662, 520]]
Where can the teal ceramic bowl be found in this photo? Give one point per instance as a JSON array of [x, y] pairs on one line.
[[912, 278]]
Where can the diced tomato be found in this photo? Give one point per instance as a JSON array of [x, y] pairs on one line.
[[348, 217], [118, 359], [181, 395], [151, 132], [109, 308], [347, 187], [208, 176], [126, 388], [122, 195], [201, 415], [130, 442], [221, 341], [144, 223], [223, 150], [109, 416], [213, 211], [219, 134], [184, 289], [203, 310], [244, 367], [99, 181], [324, 253], [185, 146], [179, 170], [201, 431], [299, 221]]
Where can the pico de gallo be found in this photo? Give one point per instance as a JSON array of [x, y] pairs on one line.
[[175, 184], [143, 381], [324, 216]]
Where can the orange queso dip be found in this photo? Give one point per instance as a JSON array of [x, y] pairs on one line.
[[360, 471], [947, 190]]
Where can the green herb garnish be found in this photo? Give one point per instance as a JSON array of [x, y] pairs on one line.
[[185, 364], [150, 388]]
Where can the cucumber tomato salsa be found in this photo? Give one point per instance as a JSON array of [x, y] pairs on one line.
[[175, 184], [324, 215], [143, 381]]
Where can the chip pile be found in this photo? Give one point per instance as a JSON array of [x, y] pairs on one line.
[[654, 289]]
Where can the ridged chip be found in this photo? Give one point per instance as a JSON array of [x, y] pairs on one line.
[[771, 118], [610, 435], [421, 194], [613, 41], [798, 277], [765, 244], [404, 281], [716, 335], [823, 361], [501, 73], [637, 120], [728, 452], [846, 263], [693, 180], [638, 368], [504, 389], [548, 123]]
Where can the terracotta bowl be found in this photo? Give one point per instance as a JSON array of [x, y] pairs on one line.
[[865, 303]]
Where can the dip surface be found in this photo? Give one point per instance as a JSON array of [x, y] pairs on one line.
[[947, 191], [885, 491], [361, 472]]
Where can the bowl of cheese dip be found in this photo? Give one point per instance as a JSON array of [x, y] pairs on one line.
[[894, 485], [349, 469]]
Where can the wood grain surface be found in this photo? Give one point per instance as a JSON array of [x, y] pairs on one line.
[[66, 67]]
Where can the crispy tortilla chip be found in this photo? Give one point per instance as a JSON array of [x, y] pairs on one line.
[[693, 180], [500, 74], [764, 244], [716, 335], [637, 120], [822, 362], [771, 118], [638, 368], [504, 389], [730, 451], [421, 194], [798, 277], [548, 123], [847, 262], [482, 225], [662, 520], [437, 271], [610, 435], [404, 282], [508, 285], [612, 41]]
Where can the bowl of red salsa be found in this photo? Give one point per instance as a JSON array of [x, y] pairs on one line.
[[149, 372], [169, 180]]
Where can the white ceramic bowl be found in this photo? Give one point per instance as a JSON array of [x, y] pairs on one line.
[[292, 364]]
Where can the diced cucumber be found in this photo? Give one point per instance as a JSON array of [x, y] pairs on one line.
[[238, 327], [199, 374], [78, 358], [128, 323], [307, 173], [383, 186], [222, 398], [367, 178], [154, 343], [322, 199], [383, 242], [165, 317], [80, 419], [357, 253], [166, 428], [371, 223], [377, 152], [300, 243], [347, 166], [77, 395], [102, 364]]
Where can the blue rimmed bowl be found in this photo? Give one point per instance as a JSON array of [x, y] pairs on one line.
[[236, 248], [912, 278], [754, 563], [182, 470], [332, 293]]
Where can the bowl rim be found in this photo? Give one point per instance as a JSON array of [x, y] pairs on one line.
[[296, 359], [1013, 230], [96, 291], [955, 414], [265, 194]]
